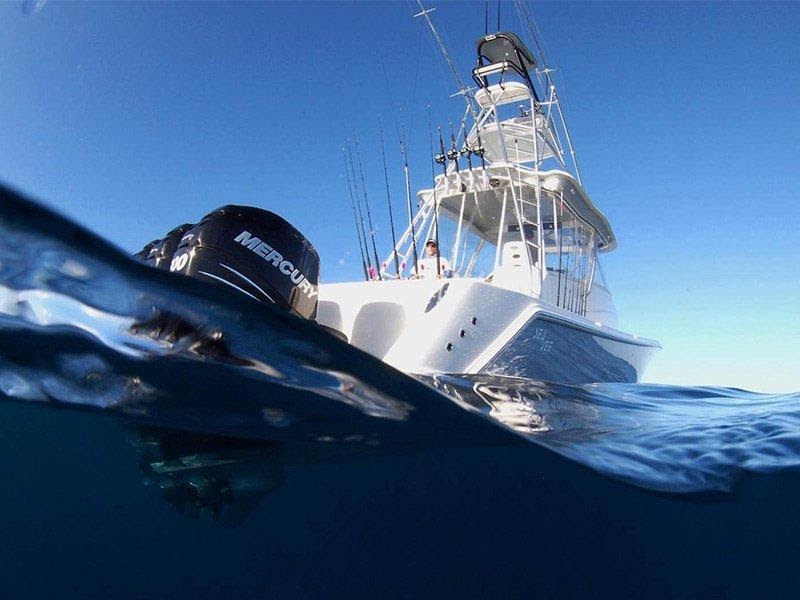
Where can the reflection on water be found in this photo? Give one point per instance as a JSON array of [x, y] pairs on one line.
[[207, 476], [511, 405], [663, 438], [452, 520]]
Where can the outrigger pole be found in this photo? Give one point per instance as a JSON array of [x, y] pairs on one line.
[[355, 218], [526, 16], [389, 202], [423, 12], [360, 214], [408, 192], [369, 213]]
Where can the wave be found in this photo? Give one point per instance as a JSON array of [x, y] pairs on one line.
[[84, 326]]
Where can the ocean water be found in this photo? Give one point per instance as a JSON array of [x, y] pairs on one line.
[[163, 438]]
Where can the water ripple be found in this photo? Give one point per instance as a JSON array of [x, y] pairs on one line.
[[83, 325]]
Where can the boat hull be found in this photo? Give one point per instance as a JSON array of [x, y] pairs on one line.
[[550, 349], [469, 326]]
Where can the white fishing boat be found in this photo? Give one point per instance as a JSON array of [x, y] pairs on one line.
[[498, 271], [516, 287]]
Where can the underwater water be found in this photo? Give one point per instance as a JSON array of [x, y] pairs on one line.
[[164, 438]]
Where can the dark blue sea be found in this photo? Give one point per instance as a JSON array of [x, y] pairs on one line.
[[165, 439]]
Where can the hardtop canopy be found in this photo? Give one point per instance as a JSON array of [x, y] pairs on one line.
[[483, 207], [505, 46]]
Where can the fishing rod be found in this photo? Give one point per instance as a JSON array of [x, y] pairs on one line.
[[568, 293], [441, 160], [355, 218], [442, 157], [403, 151], [452, 154], [466, 151], [560, 235], [479, 150], [389, 202], [369, 213], [360, 213]]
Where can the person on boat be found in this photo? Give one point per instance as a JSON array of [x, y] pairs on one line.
[[428, 265]]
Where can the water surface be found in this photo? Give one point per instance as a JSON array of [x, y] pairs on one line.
[[163, 437]]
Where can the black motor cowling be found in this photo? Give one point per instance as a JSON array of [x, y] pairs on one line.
[[159, 252], [144, 253], [253, 251]]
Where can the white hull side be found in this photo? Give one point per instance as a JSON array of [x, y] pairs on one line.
[[430, 326]]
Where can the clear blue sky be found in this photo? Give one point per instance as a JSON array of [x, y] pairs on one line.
[[133, 117]]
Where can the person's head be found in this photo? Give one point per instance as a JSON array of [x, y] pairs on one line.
[[430, 248]]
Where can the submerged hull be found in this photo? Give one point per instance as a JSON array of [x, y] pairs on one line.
[[468, 326]]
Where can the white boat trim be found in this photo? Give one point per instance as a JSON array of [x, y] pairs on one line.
[[247, 279], [226, 282]]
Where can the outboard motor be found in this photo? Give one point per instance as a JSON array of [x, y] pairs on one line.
[[144, 253], [161, 251], [256, 253]]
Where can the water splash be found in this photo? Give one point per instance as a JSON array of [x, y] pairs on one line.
[[664, 438]]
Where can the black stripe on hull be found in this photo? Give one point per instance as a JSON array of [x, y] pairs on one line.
[[555, 351]]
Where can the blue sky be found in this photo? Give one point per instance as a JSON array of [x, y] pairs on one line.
[[133, 117]]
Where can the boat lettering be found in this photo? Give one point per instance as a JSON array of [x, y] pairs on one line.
[[262, 249], [178, 262], [275, 258], [545, 345]]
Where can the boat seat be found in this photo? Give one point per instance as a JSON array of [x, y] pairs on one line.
[[500, 94], [514, 272]]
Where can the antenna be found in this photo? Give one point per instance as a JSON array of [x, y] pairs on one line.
[[461, 89]]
